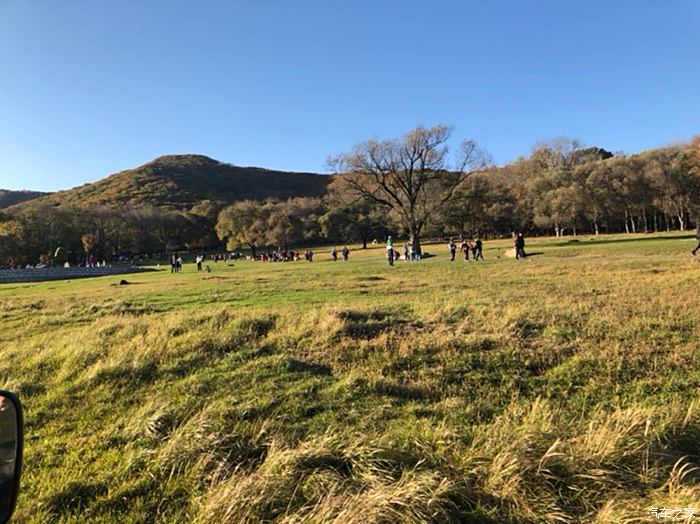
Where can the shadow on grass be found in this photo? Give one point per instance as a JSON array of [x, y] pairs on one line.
[[365, 325], [74, 496], [596, 242]]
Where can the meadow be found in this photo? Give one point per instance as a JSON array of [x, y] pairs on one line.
[[560, 388]]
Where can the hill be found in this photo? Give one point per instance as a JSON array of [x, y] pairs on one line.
[[180, 181], [9, 198]]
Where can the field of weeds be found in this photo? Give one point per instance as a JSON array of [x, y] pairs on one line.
[[561, 388]]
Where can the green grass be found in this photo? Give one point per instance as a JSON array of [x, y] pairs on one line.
[[562, 388]]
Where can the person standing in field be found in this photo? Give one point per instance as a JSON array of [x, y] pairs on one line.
[[452, 247], [173, 262], [346, 253], [334, 254], [477, 250], [415, 254], [519, 246], [464, 249], [697, 236], [390, 250], [406, 252], [198, 261]]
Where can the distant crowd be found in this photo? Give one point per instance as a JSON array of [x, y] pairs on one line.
[[411, 254], [466, 247], [470, 249]]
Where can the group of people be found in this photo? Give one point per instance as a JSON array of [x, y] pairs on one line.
[[293, 256], [409, 253], [475, 248], [345, 252], [280, 256], [216, 257], [199, 260], [466, 247], [175, 263]]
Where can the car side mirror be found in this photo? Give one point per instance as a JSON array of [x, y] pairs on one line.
[[11, 439]]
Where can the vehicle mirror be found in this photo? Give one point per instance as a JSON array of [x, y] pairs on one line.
[[11, 438]]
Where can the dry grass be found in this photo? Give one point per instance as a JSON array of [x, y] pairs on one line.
[[560, 389]]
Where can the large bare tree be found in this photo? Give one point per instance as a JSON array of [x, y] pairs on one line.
[[413, 176]]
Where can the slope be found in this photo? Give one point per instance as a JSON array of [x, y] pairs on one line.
[[180, 181], [10, 198]]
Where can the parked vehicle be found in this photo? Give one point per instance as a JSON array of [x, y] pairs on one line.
[[11, 440]]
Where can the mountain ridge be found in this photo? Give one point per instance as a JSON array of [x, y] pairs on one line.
[[180, 181], [9, 197]]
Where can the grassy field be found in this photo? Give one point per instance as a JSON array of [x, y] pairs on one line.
[[562, 388]]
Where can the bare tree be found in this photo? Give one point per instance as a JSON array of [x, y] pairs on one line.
[[412, 176]]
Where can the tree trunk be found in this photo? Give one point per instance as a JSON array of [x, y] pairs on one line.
[[414, 240], [252, 248], [627, 225], [644, 218], [681, 221], [656, 223], [595, 227]]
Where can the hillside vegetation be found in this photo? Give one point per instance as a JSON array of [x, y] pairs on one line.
[[182, 181], [562, 388], [9, 198]]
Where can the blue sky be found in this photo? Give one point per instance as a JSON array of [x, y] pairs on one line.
[[88, 88]]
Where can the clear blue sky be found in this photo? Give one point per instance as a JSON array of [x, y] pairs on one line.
[[91, 87]]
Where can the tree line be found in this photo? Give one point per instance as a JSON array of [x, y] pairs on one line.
[[564, 188], [413, 186], [50, 234]]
